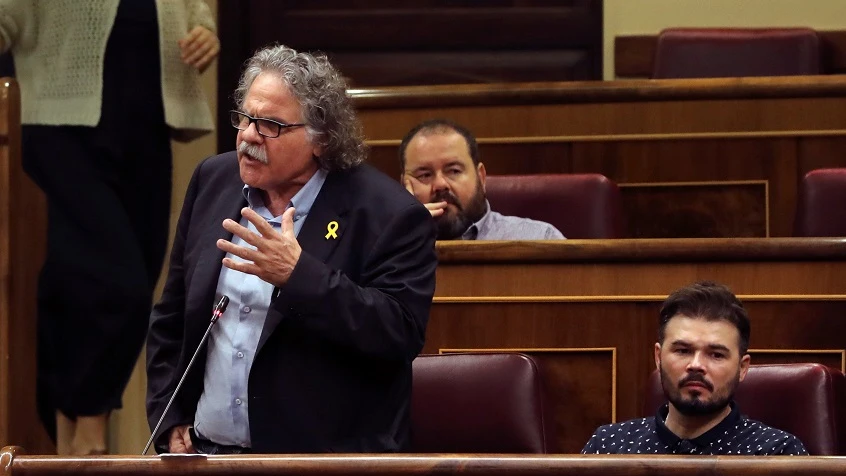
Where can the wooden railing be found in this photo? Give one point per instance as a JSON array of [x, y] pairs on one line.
[[13, 463]]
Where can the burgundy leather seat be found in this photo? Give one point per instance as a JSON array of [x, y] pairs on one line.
[[821, 206], [579, 205], [734, 52], [806, 400], [478, 403]]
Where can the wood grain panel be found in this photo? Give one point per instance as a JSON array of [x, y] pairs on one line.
[[833, 358], [700, 210], [726, 130], [403, 43], [580, 386], [499, 159], [582, 380], [770, 159], [627, 279], [820, 152], [632, 328], [458, 67], [778, 161], [618, 119], [634, 55]]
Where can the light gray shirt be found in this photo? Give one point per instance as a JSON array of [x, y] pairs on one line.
[[496, 226], [222, 412]]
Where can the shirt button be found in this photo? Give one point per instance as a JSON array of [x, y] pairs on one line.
[[240, 355], [237, 401], [247, 309]]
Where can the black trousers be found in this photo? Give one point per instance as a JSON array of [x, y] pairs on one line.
[[108, 192]]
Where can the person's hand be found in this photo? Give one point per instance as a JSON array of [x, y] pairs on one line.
[[199, 47], [436, 209], [276, 253], [180, 440]]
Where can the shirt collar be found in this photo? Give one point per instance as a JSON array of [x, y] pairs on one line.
[[473, 231], [705, 439], [302, 201]]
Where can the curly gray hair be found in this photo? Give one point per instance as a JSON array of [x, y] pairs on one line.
[[322, 93]]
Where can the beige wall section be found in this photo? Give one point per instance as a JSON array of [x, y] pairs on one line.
[[629, 17], [128, 429]]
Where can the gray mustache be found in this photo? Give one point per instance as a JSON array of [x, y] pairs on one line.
[[255, 151]]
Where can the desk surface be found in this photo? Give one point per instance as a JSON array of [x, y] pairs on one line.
[[676, 250], [16, 463], [581, 92]]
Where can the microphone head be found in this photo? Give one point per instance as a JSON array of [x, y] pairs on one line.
[[221, 305]]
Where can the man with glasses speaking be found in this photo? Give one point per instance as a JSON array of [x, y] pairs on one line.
[[329, 267]]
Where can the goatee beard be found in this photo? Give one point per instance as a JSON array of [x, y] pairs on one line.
[[696, 407]]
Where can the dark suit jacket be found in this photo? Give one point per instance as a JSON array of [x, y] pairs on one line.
[[332, 371]]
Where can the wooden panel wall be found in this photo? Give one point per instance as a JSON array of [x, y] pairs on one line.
[[696, 158], [589, 310], [22, 246], [381, 43]]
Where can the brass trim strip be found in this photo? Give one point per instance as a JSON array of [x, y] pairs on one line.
[[447, 350], [692, 184], [639, 137], [623, 298]]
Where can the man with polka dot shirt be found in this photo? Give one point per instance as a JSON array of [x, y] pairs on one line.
[[701, 355]]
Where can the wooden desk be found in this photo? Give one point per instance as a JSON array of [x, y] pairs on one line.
[[694, 158], [588, 309], [13, 463]]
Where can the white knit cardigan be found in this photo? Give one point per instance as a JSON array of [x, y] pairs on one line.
[[59, 48]]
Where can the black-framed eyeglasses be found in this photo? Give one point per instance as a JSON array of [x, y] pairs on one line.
[[265, 127]]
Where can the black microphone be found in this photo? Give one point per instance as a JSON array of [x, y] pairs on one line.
[[216, 313]]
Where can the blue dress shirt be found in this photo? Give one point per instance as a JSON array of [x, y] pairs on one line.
[[222, 412]]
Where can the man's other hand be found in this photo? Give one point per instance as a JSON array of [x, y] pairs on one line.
[[180, 440]]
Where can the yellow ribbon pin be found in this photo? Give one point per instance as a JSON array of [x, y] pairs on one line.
[[332, 227]]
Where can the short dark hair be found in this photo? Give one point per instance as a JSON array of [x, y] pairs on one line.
[[707, 300], [439, 126]]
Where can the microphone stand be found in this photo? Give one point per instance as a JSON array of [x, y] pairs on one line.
[[218, 311]]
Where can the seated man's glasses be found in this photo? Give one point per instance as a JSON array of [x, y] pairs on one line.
[[265, 127]]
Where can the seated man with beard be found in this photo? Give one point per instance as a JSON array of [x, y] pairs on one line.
[[440, 166], [701, 354]]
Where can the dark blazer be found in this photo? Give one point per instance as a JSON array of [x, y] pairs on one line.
[[332, 371]]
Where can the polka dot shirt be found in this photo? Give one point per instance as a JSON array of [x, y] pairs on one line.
[[735, 435]]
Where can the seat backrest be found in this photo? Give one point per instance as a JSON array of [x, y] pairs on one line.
[[478, 403], [734, 52], [820, 209], [803, 399], [579, 205]]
